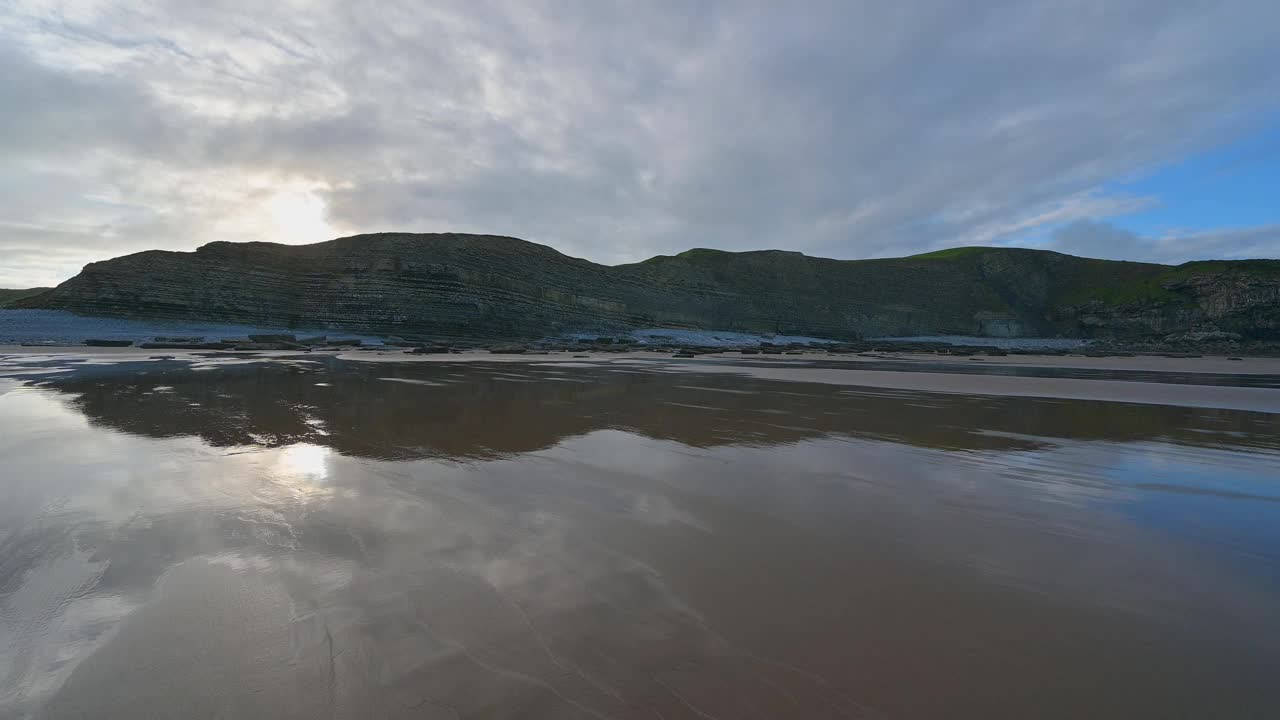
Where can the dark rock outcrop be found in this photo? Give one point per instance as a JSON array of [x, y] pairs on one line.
[[269, 346], [185, 346], [477, 286]]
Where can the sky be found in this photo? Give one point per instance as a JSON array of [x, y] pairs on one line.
[[1129, 129]]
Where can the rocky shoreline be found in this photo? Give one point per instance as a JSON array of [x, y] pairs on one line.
[[423, 345]]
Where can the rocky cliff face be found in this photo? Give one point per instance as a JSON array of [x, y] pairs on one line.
[[1225, 298], [490, 287]]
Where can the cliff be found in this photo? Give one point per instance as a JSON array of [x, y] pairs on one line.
[[490, 287]]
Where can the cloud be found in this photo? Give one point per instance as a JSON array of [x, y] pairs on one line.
[[1104, 240], [608, 130]]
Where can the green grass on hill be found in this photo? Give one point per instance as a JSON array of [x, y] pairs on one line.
[[8, 297], [702, 252], [1140, 290], [1257, 268], [949, 253], [1153, 287]]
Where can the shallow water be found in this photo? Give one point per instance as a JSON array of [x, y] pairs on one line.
[[317, 538]]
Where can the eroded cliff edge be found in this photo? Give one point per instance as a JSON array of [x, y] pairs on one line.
[[489, 286]]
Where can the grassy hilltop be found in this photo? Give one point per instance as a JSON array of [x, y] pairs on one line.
[[9, 297]]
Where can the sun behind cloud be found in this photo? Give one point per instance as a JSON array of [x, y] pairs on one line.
[[297, 217]]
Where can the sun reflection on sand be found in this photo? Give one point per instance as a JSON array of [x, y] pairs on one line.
[[303, 462]]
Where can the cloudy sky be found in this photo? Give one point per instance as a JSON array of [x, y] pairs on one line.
[[1136, 129]]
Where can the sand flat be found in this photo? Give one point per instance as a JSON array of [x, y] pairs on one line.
[[938, 380], [930, 375], [343, 535]]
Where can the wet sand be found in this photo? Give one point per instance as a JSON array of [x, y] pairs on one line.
[[372, 535], [1213, 382], [940, 381]]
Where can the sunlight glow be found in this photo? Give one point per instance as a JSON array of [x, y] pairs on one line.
[[298, 217], [304, 462]]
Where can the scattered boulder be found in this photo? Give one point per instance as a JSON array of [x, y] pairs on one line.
[[95, 342], [1235, 358], [1204, 336], [270, 346], [186, 346]]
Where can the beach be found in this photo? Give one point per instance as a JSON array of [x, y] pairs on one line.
[[365, 533]]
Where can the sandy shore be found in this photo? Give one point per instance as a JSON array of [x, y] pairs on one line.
[[1150, 393], [376, 534], [1148, 363], [933, 374]]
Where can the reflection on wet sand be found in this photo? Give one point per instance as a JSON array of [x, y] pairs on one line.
[[323, 539], [408, 411]]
